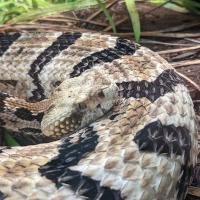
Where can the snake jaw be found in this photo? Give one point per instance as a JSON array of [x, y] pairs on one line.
[[72, 109], [63, 126]]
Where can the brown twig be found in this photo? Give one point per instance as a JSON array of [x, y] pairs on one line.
[[83, 20], [100, 11], [185, 63], [116, 23], [183, 56], [179, 49], [31, 26], [180, 27], [159, 34], [147, 41], [190, 81], [193, 40]]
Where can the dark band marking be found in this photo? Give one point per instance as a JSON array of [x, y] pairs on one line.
[[62, 42], [3, 96], [87, 187], [123, 47], [6, 40], [2, 123], [168, 140], [184, 181], [2, 196], [27, 115], [196, 177], [70, 154], [9, 82], [29, 136], [197, 107], [164, 139], [163, 84], [30, 130]]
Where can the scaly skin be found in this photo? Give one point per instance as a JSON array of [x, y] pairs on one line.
[[128, 120]]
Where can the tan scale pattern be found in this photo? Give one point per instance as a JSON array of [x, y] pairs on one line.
[[30, 45], [116, 161], [19, 167], [118, 164], [62, 65]]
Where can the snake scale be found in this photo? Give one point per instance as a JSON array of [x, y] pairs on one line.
[[117, 120]]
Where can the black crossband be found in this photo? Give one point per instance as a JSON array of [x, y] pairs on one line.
[[122, 47], [6, 40], [61, 43], [70, 154], [163, 84]]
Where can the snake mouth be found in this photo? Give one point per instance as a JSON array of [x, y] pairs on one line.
[[62, 126]]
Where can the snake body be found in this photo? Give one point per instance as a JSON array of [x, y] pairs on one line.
[[125, 117]]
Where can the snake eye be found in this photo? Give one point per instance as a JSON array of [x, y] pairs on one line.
[[56, 83]]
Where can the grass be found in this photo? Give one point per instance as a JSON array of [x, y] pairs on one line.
[[192, 6], [102, 5], [9, 140], [14, 11], [131, 7]]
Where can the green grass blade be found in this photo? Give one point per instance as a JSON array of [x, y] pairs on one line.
[[5, 4], [182, 6], [192, 6], [131, 7], [107, 14], [53, 8], [9, 140]]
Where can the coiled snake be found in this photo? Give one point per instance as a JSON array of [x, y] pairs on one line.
[[125, 116]]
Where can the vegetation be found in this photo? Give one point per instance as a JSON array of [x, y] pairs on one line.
[[13, 11], [180, 5], [22, 10]]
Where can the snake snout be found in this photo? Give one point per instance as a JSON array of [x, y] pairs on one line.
[[72, 109]]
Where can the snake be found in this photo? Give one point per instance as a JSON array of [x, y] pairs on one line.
[[112, 119]]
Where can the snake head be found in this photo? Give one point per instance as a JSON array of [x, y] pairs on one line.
[[78, 102]]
